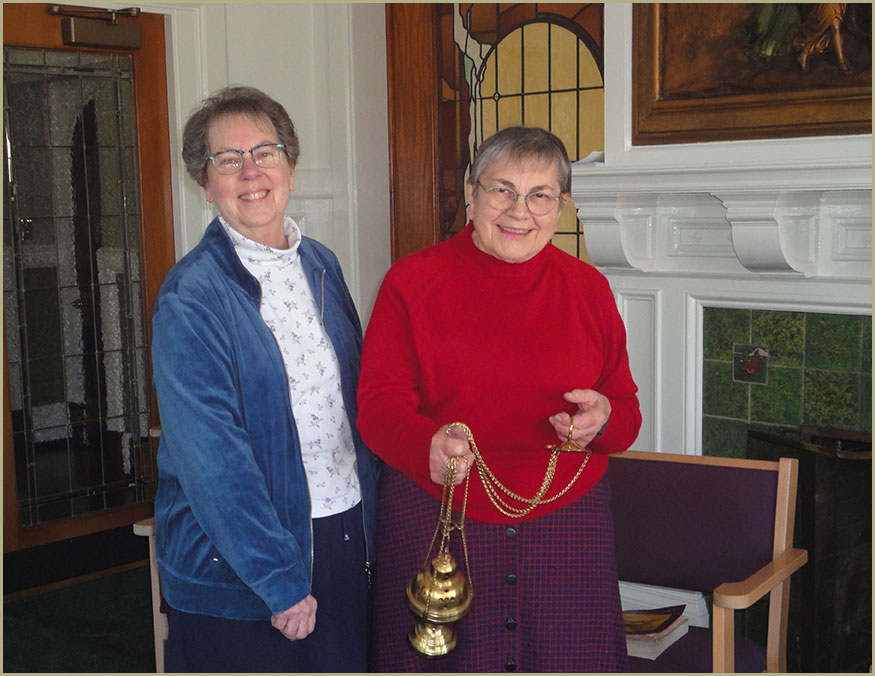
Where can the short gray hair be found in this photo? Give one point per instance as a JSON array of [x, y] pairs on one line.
[[523, 143], [233, 100]]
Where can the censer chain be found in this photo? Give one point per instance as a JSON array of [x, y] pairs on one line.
[[445, 523], [492, 485]]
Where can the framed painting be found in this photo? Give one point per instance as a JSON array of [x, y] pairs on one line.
[[733, 71]]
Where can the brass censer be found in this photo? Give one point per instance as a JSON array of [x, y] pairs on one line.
[[439, 594]]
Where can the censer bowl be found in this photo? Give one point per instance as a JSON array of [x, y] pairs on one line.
[[439, 596]]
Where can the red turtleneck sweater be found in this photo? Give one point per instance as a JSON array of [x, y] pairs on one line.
[[458, 335]]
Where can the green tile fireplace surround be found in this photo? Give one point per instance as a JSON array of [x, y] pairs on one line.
[[818, 371]]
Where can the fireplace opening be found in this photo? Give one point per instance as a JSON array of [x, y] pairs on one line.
[[830, 623]]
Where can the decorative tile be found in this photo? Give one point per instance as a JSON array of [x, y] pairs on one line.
[[780, 400], [832, 399], [819, 372], [833, 342], [783, 333], [721, 329], [749, 364], [724, 438], [722, 396]]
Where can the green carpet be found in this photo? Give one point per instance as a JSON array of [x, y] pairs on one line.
[[102, 625]]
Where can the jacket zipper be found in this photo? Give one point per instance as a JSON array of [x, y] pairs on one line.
[[292, 414], [309, 495], [364, 522]]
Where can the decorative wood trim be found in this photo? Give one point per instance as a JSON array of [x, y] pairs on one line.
[[741, 463], [411, 57], [156, 189], [63, 529]]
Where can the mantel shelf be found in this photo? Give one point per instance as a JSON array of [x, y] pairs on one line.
[[592, 178], [765, 220]]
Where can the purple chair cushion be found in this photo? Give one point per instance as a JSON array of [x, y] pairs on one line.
[[692, 654]]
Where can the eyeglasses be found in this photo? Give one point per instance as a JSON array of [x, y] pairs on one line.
[[265, 155], [502, 198]]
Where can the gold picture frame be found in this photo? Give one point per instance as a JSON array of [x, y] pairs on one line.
[[694, 79]]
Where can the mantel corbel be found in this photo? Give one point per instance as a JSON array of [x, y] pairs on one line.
[[810, 233], [603, 231], [761, 244]]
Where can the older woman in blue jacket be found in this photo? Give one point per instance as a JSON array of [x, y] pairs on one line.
[[265, 500]]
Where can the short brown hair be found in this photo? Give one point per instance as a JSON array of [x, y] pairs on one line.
[[233, 100]]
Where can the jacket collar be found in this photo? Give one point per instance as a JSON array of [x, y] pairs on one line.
[[222, 249]]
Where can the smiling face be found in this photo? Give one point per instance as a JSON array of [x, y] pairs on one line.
[[514, 235], [253, 200]]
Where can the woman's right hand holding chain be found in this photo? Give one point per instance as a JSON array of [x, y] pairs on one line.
[[449, 442]]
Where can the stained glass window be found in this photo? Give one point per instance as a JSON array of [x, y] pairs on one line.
[[506, 64]]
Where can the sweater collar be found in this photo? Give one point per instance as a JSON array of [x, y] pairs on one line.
[[492, 266]]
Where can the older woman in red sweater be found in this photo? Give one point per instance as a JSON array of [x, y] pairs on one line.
[[498, 329]]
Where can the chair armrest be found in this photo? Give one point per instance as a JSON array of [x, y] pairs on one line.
[[145, 527], [743, 594]]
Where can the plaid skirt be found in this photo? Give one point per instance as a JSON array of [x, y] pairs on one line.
[[546, 597]]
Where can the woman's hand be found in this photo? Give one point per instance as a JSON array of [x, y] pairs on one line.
[[298, 621], [590, 419], [449, 442]]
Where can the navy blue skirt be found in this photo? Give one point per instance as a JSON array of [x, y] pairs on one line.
[[546, 597], [339, 643]]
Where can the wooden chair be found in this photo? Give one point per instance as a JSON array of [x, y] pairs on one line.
[[146, 528], [722, 526]]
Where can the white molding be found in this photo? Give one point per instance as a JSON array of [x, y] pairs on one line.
[[640, 310], [342, 108], [666, 360], [764, 232], [186, 83]]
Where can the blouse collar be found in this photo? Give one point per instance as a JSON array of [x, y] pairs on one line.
[[260, 254]]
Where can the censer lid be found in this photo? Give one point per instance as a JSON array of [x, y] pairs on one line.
[[440, 593]]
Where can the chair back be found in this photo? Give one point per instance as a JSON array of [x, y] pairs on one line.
[[694, 522]]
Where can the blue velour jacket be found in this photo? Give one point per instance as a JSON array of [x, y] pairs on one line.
[[232, 508]]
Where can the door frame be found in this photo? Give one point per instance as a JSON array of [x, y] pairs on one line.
[[31, 25], [412, 58]]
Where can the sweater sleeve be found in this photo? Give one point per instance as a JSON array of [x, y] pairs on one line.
[[209, 459], [388, 396]]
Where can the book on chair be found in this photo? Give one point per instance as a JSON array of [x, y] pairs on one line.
[[649, 632]]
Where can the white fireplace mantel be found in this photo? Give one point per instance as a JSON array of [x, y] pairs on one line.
[[671, 250], [714, 220]]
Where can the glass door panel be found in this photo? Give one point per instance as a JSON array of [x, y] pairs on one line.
[[73, 297]]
